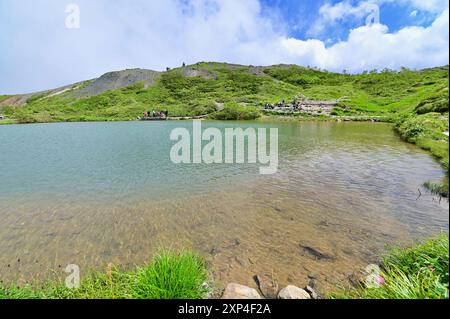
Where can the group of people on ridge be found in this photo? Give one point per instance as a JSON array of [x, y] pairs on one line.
[[159, 114], [295, 105]]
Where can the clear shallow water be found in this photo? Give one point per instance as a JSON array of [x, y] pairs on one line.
[[94, 193]]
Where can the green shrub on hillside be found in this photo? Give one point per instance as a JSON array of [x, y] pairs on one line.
[[234, 111], [427, 131], [435, 103], [431, 125], [304, 77]]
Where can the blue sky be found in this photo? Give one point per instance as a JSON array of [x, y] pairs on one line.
[[40, 52], [301, 14]]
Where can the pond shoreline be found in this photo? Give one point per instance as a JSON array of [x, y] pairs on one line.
[[285, 217], [299, 118], [190, 279]]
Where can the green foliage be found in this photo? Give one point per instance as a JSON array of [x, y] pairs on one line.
[[175, 91], [234, 111], [342, 111], [194, 90], [427, 131], [4, 97], [435, 103], [419, 272], [304, 77], [413, 128], [36, 97], [438, 189], [170, 275]]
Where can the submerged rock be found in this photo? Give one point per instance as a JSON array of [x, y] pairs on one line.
[[314, 253], [214, 251], [237, 291], [267, 286], [293, 292], [244, 262], [312, 292]]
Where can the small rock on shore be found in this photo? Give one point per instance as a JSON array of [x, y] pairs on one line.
[[236, 291], [293, 292]]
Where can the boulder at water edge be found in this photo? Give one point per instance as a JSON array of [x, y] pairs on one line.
[[292, 292], [236, 291]]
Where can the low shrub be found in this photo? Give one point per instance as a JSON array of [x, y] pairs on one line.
[[419, 272], [234, 111]]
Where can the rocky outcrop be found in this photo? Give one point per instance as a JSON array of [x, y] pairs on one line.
[[109, 81], [194, 72], [117, 80]]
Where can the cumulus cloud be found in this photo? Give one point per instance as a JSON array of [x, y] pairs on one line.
[[370, 47], [340, 10], [435, 6], [332, 13], [38, 52], [345, 9]]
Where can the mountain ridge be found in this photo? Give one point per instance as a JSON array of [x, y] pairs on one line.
[[195, 89], [122, 78]]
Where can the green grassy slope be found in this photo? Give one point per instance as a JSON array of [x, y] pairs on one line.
[[195, 89], [383, 93], [181, 94], [3, 97]]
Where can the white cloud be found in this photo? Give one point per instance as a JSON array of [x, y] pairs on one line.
[[435, 6], [330, 14], [38, 52], [373, 46], [341, 10]]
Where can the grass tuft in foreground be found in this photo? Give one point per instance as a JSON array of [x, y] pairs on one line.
[[170, 275], [419, 272]]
